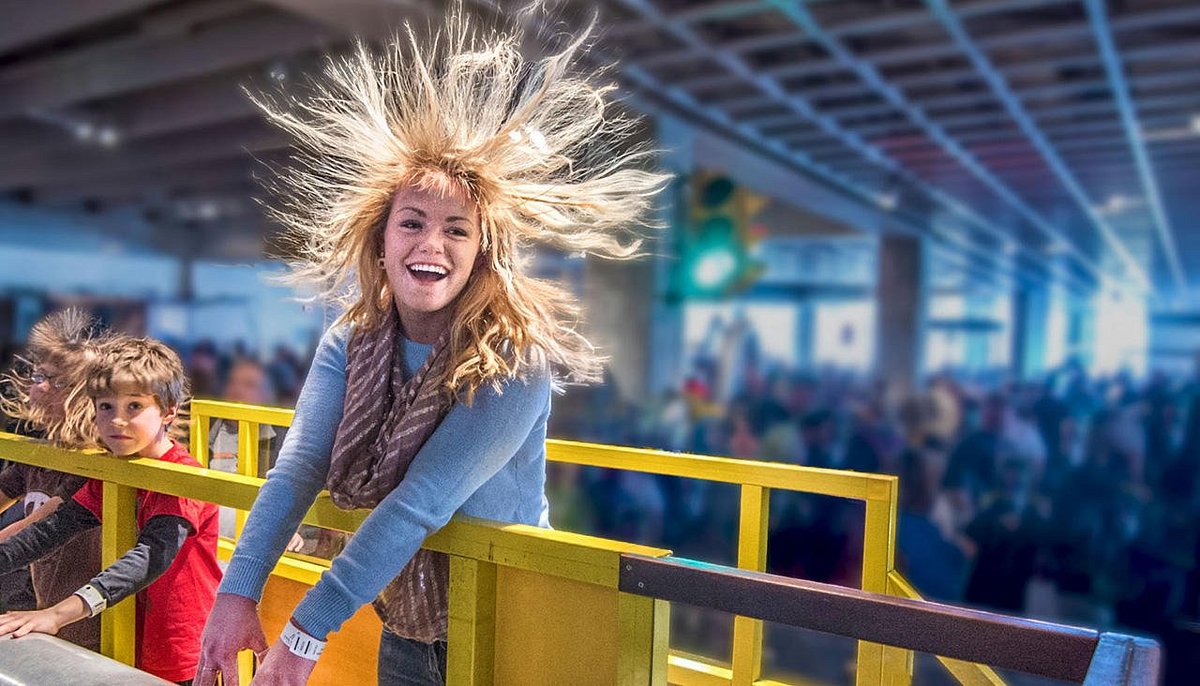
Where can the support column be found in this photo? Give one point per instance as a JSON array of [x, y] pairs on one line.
[[805, 344], [975, 340], [901, 299], [1030, 314]]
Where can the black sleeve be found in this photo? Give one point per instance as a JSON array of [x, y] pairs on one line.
[[12, 480], [41, 538], [157, 545]]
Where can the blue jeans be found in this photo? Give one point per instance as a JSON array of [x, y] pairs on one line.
[[404, 662]]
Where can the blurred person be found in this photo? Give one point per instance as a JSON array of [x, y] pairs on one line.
[[136, 385], [1010, 535], [973, 466], [49, 401], [781, 440], [431, 393], [285, 371], [1022, 433], [819, 432], [872, 443], [246, 383], [203, 369], [743, 441], [946, 419], [933, 561]]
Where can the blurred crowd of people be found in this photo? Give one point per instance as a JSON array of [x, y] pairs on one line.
[[1073, 499]]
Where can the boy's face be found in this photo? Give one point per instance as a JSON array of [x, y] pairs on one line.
[[131, 423]]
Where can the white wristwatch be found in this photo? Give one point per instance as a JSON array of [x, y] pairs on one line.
[[301, 643], [93, 598]]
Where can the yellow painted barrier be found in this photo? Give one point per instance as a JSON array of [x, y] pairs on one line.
[[876, 664], [522, 595], [522, 548]]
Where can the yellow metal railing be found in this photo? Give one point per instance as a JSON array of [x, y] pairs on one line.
[[876, 664], [509, 583]]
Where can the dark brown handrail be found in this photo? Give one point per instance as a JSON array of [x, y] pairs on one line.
[[1026, 645]]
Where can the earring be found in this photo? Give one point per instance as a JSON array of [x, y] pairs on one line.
[[380, 261]]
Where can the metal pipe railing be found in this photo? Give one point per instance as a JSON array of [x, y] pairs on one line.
[[44, 659]]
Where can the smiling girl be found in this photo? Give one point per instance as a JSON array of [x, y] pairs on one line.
[[428, 170]]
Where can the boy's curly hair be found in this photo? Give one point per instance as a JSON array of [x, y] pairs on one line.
[[143, 365]]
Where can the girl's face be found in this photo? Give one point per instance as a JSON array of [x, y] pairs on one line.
[[430, 249], [49, 390], [132, 425]]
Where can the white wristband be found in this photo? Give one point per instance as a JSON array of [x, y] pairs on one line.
[[93, 598], [300, 643]]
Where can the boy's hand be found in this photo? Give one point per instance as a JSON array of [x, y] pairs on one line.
[[283, 668], [48, 621]]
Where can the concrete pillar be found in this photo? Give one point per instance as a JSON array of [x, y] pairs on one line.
[[975, 341], [901, 300], [805, 333], [1030, 318]]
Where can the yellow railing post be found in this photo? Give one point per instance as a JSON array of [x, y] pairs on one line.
[[119, 533], [878, 664], [753, 519], [198, 435], [471, 631], [643, 630], [247, 463]]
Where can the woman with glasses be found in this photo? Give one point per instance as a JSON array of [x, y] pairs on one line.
[[45, 396]]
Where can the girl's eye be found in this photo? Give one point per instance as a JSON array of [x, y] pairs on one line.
[[135, 406], [458, 231], [410, 224], [104, 406]]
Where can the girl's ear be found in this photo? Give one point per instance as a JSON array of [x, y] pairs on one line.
[[169, 415]]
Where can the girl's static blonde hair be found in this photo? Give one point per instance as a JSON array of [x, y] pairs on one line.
[[535, 145], [71, 341]]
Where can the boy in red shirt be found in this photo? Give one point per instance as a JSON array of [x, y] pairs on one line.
[[137, 387]]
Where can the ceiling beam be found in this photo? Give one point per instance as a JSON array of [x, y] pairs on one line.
[[1016, 111], [1098, 16], [888, 167], [28, 23], [153, 182], [803, 18], [227, 141], [125, 66]]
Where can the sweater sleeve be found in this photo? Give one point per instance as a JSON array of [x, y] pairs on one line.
[[299, 473], [468, 448], [38, 540]]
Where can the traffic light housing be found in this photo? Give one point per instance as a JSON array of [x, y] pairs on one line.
[[715, 251]]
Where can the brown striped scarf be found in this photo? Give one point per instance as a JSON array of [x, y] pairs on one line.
[[385, 421]]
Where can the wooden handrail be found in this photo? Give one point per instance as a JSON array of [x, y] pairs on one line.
[[1026, 645]]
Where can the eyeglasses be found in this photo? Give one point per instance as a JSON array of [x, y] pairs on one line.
[[55, 381]]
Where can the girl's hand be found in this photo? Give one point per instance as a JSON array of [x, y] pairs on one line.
[[232, 625], [283, 668]]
